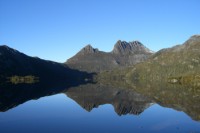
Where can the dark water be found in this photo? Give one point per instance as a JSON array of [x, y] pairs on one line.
[[97, 109]]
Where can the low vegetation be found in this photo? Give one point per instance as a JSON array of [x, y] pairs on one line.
[[180, 64], [23, 79]]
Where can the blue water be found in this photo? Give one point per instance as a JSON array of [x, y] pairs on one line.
[[60, 114]]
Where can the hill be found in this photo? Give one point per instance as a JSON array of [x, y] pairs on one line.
[[179, 64], [13, 62]]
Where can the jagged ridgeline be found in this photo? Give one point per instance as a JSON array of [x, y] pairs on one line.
[[123, 54], [179, 64]]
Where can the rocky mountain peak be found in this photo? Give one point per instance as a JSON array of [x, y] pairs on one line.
[[123, 47], [124, 54], [88, 49]]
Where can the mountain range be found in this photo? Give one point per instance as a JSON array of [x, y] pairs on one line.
[[169, 77], [124, 54], [79, 67], [179, 64], [137, 62]]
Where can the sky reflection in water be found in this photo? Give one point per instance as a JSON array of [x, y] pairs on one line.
[[58, 113]]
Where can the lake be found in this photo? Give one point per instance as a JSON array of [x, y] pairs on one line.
[[95, 108]]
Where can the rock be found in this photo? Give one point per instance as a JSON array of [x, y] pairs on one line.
[[123, 54], [88, 50], [123, 47]]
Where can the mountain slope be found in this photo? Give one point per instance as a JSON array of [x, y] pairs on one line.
[[123, 54], [13, 62], [179, 61]]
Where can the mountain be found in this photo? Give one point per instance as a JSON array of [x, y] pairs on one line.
[[13, 62], [180, 63], [124, 54], [170, 77], [135, 47]]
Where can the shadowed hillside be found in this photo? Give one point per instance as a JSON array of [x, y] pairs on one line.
[[13, 62]]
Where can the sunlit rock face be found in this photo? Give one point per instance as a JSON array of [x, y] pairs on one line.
[[135, 47]]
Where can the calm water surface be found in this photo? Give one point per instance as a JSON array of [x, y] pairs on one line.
[[88, 109]]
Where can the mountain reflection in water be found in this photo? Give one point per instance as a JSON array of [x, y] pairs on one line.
[[184, 98], [124, 100]]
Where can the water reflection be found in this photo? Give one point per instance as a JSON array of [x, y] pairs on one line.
[[133, 100], [184, 98], [124, 101], [14, 95]]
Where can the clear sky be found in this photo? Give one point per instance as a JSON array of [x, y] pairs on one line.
[[58, 29]]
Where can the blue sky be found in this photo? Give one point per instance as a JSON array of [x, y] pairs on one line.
[[58, 29]]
